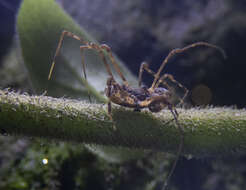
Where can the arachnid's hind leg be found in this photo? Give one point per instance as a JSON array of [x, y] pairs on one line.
[[181, 131], [170, 77]]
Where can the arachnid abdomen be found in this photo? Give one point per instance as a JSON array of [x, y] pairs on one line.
[[138, 98]]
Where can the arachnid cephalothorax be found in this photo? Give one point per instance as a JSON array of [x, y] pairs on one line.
[[155, 98]]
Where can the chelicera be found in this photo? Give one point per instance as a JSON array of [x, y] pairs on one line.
[[155, 98]]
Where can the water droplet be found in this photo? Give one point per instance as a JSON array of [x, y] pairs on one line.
[[45, 161]]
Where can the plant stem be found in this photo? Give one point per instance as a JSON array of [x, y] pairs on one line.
[[207, 131]]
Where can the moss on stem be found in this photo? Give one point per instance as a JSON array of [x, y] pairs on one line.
[[208, 131]]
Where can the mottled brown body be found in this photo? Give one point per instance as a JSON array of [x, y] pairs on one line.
[[154, 98], [138, 98]]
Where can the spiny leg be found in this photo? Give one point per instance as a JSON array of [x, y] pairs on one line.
[[181, 131], [64, 33], [170, 77], [176, 51]]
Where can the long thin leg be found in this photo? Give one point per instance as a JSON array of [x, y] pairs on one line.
[[84, 68], [176, 51], [110, 110], [115, 65], [144, 67], [170, 77], [91, 45], [108, 94], [101, 54], [100, 49], [181, 131], [64, 33], [110, 114]]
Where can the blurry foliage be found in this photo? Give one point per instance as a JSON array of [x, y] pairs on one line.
[[70, 166]]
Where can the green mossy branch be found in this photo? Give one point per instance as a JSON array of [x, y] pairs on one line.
[[208, 132]]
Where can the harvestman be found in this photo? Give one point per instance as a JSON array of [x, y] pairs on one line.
[[154, 98]]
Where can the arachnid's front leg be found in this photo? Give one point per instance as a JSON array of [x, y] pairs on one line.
[[115, 65], [181, 50], [144, 67], [64, 33]]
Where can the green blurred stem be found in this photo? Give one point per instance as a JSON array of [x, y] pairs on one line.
[[208, 131]]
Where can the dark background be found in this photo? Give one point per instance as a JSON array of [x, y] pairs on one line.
[[146, 31]]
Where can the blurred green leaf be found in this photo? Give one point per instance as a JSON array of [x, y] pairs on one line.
[[40, 24]]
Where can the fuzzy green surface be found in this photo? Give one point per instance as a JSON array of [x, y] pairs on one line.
[[208, 132]]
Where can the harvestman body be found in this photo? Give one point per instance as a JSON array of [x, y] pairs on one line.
[[154, 98]]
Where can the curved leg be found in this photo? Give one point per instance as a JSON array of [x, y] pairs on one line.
[[84, 68], [170, 77], [176, 51], [100, 49], [181, 131], [108, 94], [101, 54], [88, 46], [115, 65], [144, 67], [64, 33]]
